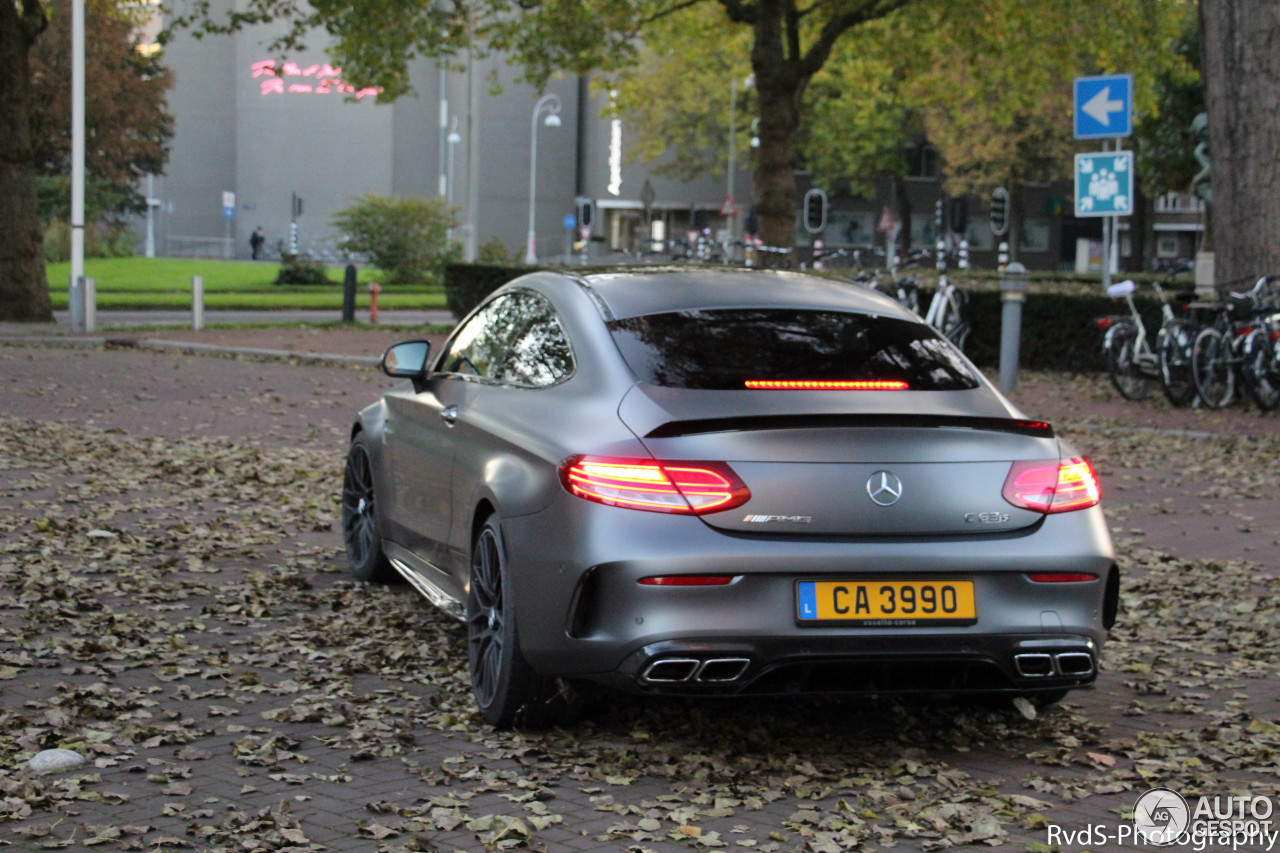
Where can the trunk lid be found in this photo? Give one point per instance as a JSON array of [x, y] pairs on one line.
[[825, 468]]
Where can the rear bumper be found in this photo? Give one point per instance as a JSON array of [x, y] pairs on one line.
[[945, 664], [582, 613]]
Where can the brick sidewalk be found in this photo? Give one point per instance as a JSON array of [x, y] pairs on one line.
[[172, 604]]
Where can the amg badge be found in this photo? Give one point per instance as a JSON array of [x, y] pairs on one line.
[[784, 519]]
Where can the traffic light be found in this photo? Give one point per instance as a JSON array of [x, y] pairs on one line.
[[1000, 212], [815, 211], [959, 215], [938, 220], [586, 212]]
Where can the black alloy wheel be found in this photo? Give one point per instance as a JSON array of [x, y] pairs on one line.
[[507, 690], [360, 520]]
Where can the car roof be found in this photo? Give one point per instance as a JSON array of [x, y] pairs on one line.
[[661, 289]]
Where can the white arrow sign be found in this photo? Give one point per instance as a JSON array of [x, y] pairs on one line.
[[1100, 106]]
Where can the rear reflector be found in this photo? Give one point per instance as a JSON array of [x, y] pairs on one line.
[[1061, 577], [1052, 486], [687, 580], [681, 487], [826, 385], [1103, 322]]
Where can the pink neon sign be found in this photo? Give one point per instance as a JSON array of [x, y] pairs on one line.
[[309, 80]]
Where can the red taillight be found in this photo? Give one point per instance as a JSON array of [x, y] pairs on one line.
[[687, 580], [826, 384], [1103, 322], [1051, 486], [683, 487], [1061, 577]]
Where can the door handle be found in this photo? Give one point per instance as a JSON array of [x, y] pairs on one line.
[[450, 414]]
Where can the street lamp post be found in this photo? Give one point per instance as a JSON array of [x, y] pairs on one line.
[[552, 104], [733, 137], [453, 139]]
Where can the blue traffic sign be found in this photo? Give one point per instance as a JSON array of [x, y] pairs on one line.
[[229, 212], [1104, 184], [1104, 106]]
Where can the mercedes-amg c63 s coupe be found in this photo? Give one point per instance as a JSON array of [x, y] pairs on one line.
[[716, 482]]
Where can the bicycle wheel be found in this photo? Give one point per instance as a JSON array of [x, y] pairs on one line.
[[1211, 368], [1175, 349], [1261, 370], [1122, 364], [952, 323]]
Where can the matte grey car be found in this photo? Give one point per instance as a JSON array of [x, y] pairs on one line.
[[712, 482]]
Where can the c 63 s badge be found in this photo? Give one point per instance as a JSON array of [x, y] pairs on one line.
[[778, 519], [986, 517]]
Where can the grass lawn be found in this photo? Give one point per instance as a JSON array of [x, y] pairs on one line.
[[140, 283]]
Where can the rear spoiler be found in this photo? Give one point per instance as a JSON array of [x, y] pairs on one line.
[[676, 429]]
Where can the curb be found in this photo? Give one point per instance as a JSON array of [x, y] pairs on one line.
[[192, 348]]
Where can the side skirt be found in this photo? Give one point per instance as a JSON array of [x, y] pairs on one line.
[[419, 573]]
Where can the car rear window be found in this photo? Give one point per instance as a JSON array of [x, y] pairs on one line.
[[724, 349]]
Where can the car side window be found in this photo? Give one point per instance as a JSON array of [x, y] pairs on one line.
[[517, 340]]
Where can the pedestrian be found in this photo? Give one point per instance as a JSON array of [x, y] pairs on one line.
[[255, 243]]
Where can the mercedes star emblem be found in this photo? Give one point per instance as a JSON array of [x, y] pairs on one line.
[[884, 488]]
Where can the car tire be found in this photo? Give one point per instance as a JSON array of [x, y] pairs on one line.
[[360, 533], [508, 693]]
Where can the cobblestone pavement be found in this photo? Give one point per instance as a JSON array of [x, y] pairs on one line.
[[173, 606]]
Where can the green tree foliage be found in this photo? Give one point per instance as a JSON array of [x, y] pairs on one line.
[[127, 130], [676, 98], [405, 238], [126, 117], [1165, 138], [989, 84]]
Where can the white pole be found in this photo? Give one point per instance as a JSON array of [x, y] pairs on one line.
[[732, 146], [197, 302], [77, 142], [150, 248], [471, 247], [443, 186], [90, 305]]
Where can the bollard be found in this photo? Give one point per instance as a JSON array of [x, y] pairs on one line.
[[197, 302], [90, 305], [374, 290], [75, 302], [349, 294], [1013, 292]]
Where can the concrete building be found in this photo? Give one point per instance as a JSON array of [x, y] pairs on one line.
[[284, 143]]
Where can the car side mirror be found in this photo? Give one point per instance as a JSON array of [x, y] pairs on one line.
[[406, 360]]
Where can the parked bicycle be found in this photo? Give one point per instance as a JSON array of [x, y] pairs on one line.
[[1240, 347], [1133, 362]]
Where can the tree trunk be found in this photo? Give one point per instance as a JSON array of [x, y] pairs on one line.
[[24, 289], [1241, 68], [778, 89]]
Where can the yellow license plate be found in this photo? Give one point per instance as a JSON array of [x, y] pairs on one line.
[[887, 603]]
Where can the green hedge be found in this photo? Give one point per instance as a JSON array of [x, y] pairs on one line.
[[1059, 330]]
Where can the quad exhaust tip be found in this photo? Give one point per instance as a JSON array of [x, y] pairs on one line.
[[682, 670], [1044, 665]]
